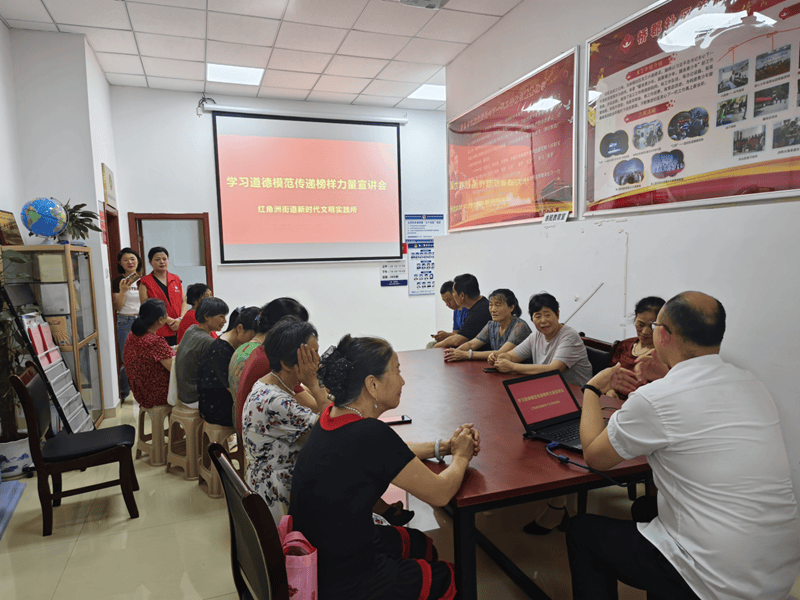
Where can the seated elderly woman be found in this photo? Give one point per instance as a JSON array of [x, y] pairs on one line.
[[630, 350], [276, 419], [349, 460], [553, 346], [211, 314], [502, 334], [148, 357]]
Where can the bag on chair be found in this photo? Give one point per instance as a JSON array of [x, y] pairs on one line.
[[301, 561]]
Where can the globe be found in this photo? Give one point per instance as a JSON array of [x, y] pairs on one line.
[[46, 217]]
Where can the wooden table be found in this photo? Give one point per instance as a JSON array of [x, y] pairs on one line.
[[509, 470]]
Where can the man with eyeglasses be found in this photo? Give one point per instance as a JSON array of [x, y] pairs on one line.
[[727, 524]]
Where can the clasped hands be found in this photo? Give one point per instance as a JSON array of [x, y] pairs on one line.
[[503, 365], [455, 355], [624, 381], [466, 441]]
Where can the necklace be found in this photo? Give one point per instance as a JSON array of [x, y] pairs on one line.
[[636, 350], [286, 387], [355, 410]]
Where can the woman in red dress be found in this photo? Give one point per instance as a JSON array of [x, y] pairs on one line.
[[165, 286], [629, 350], [148, 357]]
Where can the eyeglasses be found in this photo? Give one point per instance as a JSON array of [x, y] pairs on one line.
[[653, 326]]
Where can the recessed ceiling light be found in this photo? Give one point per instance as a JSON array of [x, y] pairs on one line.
[[231, 74], [430, 92]]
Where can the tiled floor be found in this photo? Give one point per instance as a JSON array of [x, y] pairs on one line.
[[179, 547]]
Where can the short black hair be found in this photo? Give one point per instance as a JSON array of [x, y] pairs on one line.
[[343, 369], [509, 298], [651, 303], [194, 292], [284, 339], [150, 311], [540, 301], [467, 284], [122, 253], [274, 311], [155, 250], [447, 288], [210, 307], [694, 325]]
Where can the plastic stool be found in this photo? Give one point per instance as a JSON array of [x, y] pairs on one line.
[[212, 433], [190, 421], [152, 443]]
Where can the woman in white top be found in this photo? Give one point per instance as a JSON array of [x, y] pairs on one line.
[[125, 292]]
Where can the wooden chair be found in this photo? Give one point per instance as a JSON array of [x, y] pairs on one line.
[[600, 352], [65, 452], [259, 566]]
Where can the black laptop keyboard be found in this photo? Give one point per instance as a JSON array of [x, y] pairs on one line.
[[567, 434]]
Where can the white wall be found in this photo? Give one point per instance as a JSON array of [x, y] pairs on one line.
[[165, 159], [746, 256], [10, 166], [62, 112]]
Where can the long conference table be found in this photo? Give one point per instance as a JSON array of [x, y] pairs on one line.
[[509, 470]]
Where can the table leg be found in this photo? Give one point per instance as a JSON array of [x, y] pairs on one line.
[[465, 553], [583, 501]]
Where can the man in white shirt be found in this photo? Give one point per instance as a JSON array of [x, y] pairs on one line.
[[727, 524]]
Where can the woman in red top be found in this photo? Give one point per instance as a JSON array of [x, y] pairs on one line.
[[148, 357], [194, 294], [167, 287], [629, 350]]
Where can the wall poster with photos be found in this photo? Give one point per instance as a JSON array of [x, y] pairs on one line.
[[694, 102], [512, 159]]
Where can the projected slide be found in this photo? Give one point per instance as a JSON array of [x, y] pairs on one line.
[[307, 190]]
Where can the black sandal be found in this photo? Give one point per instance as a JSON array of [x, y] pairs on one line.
[[398, 516]]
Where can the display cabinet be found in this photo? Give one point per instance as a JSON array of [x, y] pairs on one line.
[[61, 281]]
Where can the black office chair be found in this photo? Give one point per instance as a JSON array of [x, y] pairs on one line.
[[64, 452], [259, 566], [599, 352]]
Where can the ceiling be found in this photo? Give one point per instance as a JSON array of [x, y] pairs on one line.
[[367, 52]]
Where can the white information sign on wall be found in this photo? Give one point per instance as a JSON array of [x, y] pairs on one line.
[[423, 227], [421, 281]]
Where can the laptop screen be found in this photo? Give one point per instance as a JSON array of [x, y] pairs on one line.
[[541, 397]]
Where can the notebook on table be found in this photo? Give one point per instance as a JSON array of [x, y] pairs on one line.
[[547, 408]]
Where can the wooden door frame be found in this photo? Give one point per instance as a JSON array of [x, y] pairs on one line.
[[135, 219]]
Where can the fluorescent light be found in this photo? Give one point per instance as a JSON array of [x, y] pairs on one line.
[[430, 92], [542, 104], [231, 74]]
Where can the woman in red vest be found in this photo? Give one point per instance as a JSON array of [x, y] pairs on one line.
[[167, 287]]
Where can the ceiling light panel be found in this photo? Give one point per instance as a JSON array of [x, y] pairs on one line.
[[430, 92], [233, 74]]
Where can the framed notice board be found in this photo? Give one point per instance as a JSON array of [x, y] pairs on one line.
[[511, 158], [692, 103]]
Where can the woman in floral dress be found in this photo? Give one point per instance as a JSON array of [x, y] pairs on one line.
[[275, 423]]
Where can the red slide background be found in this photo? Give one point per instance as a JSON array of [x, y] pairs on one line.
[[249, 213], [541, 409]]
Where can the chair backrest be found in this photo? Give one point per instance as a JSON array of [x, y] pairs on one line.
[[599, 352], [256, 553], [36, 405]]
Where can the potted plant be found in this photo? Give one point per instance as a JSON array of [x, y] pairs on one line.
[[79, 222]]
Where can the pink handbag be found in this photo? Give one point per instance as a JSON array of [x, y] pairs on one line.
[[301, 562]]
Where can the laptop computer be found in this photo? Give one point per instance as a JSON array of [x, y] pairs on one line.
[[547, 408]]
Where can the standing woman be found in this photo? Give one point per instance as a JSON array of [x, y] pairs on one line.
[[166, 287], [125, 294], [148, 357]]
